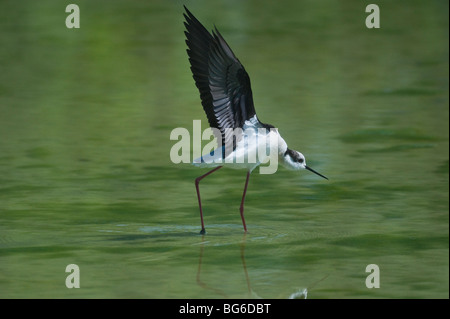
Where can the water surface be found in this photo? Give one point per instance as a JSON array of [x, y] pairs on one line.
[[86, 178]]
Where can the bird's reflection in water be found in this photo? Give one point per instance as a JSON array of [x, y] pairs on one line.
[[220, 292], [300, 293], [199, 270]]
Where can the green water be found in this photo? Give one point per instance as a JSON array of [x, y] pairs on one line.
[[86, 178]]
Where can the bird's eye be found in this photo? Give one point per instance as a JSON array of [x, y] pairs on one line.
[[301, 160]]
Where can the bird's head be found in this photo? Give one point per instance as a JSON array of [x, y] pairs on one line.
[[295, 160]]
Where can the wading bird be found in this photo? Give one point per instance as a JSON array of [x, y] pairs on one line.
[[227, 100]]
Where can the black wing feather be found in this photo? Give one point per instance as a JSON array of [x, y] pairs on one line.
[[223, 83]]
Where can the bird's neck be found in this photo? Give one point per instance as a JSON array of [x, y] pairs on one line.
[[282, 146]]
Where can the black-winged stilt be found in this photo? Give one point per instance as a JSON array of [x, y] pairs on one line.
[[227, 100]]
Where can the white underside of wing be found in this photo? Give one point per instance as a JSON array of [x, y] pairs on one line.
[[256, 146]]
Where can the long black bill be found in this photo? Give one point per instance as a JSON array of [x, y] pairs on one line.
[[310, 169]]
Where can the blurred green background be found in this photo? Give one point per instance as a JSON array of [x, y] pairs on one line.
[[86, 178]]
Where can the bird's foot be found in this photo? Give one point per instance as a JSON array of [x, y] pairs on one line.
[[203, 231]]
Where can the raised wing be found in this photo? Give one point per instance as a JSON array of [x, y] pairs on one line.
[[223, 83]]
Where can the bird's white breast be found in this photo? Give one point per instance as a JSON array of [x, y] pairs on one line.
[[258, 145]]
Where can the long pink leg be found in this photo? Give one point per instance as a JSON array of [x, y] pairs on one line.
[[242, 202], [197, 181]]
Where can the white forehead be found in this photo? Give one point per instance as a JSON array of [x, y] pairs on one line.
[[302, 157]]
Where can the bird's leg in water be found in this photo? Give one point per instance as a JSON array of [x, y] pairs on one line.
[[197, 181], [242, 202]]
